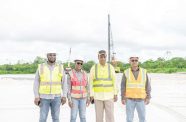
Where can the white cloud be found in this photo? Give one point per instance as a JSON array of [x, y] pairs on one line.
[[148, 27]]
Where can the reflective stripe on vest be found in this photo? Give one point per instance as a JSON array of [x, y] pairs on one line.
[[103, 79], [50, 81], [78, 89], [135, 88], [103, 83]]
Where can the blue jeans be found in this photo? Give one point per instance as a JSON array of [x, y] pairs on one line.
[[78, 105], [140, 107], [54, 104]]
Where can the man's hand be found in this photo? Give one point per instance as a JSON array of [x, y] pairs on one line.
[[115, 98], [92, 100], [63, 100], [147, 101], [70, 104], [37, 101], [88, 102], [123, 101]]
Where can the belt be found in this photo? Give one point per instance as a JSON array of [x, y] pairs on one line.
[[136, 99]]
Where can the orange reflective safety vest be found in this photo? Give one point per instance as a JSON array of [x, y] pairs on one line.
[[78, 88], [135, 88]]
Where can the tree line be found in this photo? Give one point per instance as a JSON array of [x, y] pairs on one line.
[[160, 65]]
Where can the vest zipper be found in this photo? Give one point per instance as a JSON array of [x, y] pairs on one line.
[[51, 81], [80, 87]]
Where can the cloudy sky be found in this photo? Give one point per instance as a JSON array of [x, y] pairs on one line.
[[148, 28]]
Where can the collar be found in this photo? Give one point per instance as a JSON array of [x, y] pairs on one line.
[[102, 65], [135, 70], [55, 64], [78, 71]]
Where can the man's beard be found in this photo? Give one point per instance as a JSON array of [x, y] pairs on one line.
[[52, 61]]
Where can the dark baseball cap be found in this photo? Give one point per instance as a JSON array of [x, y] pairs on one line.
[[102, 52]]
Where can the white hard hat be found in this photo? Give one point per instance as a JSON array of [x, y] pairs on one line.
[[78, 58], [51, 50], [133, 56]]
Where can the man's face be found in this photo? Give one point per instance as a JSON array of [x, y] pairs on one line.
[[51, 57], [78, 65], [134, 61], [102, 58]]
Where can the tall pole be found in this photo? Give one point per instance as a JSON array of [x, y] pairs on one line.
[[108, 38], [69, 58]]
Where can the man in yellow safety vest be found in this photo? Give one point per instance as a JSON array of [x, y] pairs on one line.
[[103, 88], [48, 87], [135, 90]]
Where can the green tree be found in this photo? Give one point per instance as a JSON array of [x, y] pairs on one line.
[[88, 65], [39, 60]]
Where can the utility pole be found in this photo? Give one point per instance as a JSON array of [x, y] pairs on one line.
[[108, 38], [69, 57], [68, 68]]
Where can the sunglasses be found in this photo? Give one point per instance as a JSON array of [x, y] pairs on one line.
[[134, 60], [79, 63], [51, 54]]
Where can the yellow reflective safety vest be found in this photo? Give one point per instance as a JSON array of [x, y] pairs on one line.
[[135, 88], [50, 81], [102, 81]]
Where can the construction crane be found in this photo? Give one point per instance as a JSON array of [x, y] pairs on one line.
[[168, 55], [111, 51], [68, 68]]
